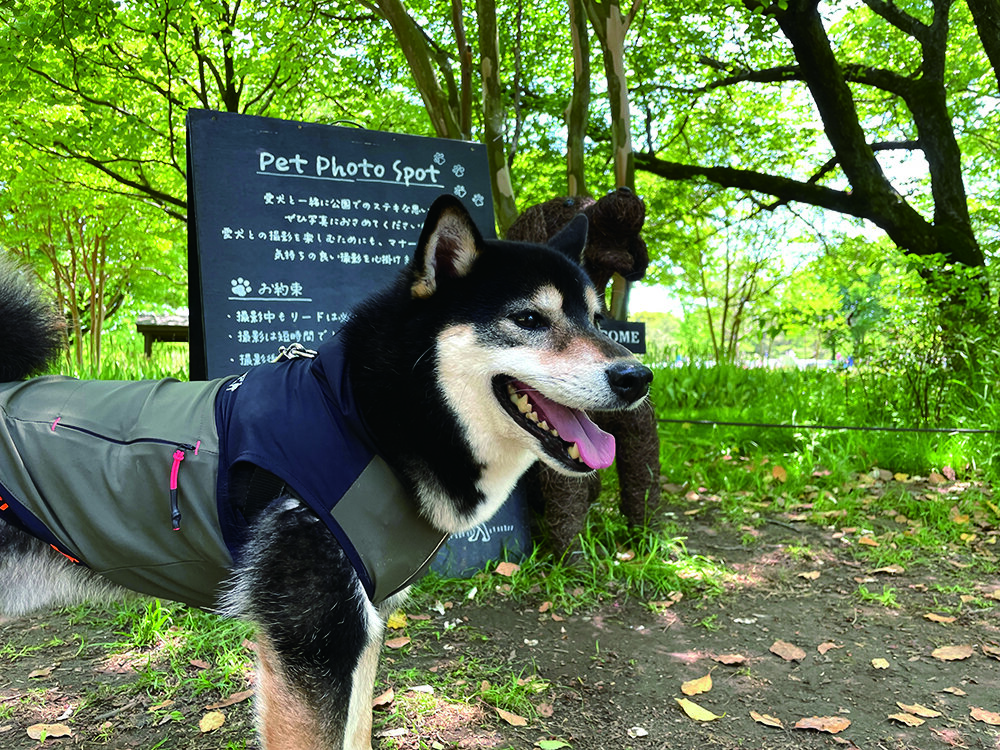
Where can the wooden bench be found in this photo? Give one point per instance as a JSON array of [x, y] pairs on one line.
[[161, 328]]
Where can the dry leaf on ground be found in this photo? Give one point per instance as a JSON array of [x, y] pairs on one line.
[[397, 642], [385, 699], [231, 700], [919, 710], [212, 721], [513, 719], [943, 619], [767, 720], [890, 569], [909, 719], [698, 686], [830, 724], [952, 653], [981, 714], [827, 646], [880, 663], [787, 651], [37, 731], [730, 658], [810, 575], [507, 568], [696, 712], [396, 621]]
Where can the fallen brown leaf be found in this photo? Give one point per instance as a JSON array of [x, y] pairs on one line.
[[513, 719], [991, 651], [384, 700], [909, 719], [211, 721], [810, 575], [397, 642], [829, 645], [919, 710], [981, 714], [730, 658], [943, 619], [952, 653], [779, 473], [36, 673], [787, 651], [507, 568], [697, 686], [231, 700], [767, 720], [830, 724], [37, 731]]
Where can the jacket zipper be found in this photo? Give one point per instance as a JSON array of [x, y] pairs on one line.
[[179, 455], [175, 511]]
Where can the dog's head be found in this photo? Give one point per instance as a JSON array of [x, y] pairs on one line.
[[519, 354]]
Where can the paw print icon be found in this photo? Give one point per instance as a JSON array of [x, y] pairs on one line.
[[241, 287]]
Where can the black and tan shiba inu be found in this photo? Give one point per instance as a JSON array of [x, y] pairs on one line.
[[305, 495]]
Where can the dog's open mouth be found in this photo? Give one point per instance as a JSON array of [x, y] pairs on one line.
[[568, 435]]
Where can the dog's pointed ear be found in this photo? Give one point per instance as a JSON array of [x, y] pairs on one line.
[[572, 238], [448, 246]]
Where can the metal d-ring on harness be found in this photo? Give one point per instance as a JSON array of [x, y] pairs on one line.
[[294, 351]]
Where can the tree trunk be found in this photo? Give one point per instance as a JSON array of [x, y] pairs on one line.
[[419, 57], [611, 26], [578, 111], [493, 117]]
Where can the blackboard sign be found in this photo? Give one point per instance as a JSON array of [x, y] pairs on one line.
[[292, 224], [630, 335]]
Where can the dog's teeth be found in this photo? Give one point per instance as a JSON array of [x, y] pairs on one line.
[[532, 415], [574, 451], [554, 431], [523, 405], [544, 425]]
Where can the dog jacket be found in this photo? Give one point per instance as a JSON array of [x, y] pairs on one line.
[[132, 478]]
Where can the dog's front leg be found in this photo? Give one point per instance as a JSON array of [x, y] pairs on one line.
[[318, 635], [358, 731], [292, 717]]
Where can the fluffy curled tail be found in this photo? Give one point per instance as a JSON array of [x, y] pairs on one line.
[[31, 332]]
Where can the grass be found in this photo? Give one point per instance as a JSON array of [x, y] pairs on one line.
[[727, 476]]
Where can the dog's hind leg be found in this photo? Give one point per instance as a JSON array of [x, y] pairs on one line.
[[34, 576]]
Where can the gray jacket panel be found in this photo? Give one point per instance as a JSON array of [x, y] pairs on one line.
[[93, 461]]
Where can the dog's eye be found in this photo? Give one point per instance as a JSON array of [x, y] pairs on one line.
[[530, 320], [598, 319]]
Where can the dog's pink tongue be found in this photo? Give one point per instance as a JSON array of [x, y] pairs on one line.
[[597, 447]]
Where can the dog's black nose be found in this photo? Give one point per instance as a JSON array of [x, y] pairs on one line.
[[629, 380]]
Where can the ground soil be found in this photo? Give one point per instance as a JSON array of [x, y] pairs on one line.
[[610, 676]]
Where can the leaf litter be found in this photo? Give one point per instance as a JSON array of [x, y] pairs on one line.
[[605, 669]]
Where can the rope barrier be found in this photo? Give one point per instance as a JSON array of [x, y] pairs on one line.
[[948, 430]]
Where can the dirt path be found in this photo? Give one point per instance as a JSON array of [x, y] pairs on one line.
[[607, 678], [614, 674]]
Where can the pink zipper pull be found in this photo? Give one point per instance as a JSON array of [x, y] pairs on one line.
[[175, 512]]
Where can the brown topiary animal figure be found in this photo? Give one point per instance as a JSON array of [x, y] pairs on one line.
[[614, 245]]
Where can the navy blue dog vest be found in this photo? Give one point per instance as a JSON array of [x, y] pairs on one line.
[[133, 478]]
